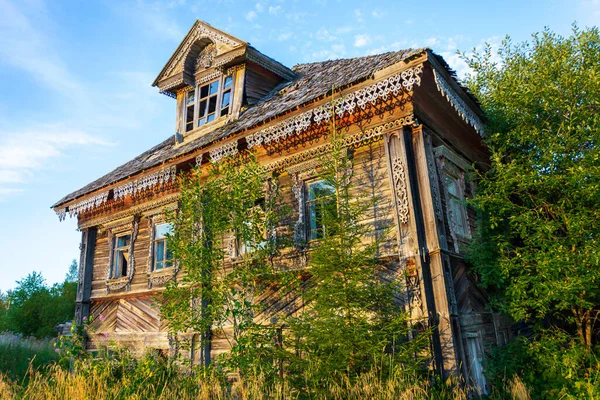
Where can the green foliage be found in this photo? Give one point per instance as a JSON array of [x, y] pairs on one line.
[[18, 354], [553, 366], [34, 309], [351, 322], [230, 201], [537, 248]]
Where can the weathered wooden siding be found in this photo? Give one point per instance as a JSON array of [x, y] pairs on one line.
[[130, 317]]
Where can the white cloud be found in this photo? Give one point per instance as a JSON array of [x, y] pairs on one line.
[[259, 7], [359, 16], [6, 192], [343, 30], [274, 10], [8, 176], [24, 152], [297, 17], [361, 40], [283, 36], [377, 13], [430, 42], [338, 48], [251, 15], [324, 35]]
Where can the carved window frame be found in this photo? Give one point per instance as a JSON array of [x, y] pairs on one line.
[[200, 83], [162, 276], [452, 166], [117, 229], [234, 246], [167, 262], [302, 175]]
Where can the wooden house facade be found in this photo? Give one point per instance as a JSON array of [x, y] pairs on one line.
[[414, 133]]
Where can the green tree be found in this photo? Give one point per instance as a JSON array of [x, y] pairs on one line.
[[538, 243], [351, 322], [34, 309], [227, 203]]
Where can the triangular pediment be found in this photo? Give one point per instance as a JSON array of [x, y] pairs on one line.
[[199, 33]]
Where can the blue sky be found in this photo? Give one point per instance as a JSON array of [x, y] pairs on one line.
[[75, 76]]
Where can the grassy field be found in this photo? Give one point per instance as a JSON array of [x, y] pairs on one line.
[[18, 354], [30, 371]]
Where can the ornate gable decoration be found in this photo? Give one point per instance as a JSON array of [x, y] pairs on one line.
[[458, 104], [218, 43]]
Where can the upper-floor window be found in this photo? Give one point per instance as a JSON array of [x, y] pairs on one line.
[[121, 255], [208, 102], [321, 197], [255, 235], [163, 258], [457, 205]]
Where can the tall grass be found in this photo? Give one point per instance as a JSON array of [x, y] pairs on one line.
[[118, 375], [18, 354]]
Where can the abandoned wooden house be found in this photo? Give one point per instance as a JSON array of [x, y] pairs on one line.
[[404, 116]]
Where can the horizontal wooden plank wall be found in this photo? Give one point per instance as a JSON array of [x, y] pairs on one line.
[[131, 318]]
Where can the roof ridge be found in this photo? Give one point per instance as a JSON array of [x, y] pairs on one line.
[[408, 51]]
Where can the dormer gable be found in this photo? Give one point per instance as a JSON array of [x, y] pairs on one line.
[[213, 76]]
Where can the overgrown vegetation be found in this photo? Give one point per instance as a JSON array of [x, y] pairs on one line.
[[349, 324], [537, 249], [34, 309]]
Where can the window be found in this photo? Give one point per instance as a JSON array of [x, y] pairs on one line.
[[320, 197], [121, 255], [209, 101], [162, 257], [257, 232], [189, 110], [456, 205]]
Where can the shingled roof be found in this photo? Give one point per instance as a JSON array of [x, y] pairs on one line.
[[313, 81]]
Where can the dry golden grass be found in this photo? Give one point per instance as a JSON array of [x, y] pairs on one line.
[[57, 383]]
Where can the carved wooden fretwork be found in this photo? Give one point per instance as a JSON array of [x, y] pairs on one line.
[[166, 89], [120, 283], [167, 200], [400, 189], [450, 163], [413, 289], [206, 57], [111, 245], [458, 104], [152, 220], [80, 273], [394, 85], [199, 32], [209, 77], [299, 227], [225, 150], [158, 178], [83, 205], [353, 141], [232, 55], [157, 278], [433, 178]]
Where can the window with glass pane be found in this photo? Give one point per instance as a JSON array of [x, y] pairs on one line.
[[189, 110], [121, 255], [226, 98], [207, 100], [257, 232], [320, 197], [163, 258], [456, 204]]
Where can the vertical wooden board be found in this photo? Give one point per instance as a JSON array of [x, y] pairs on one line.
[[101, 258], [141, 251]]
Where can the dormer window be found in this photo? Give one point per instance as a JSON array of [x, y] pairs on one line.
[[208, 102]]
